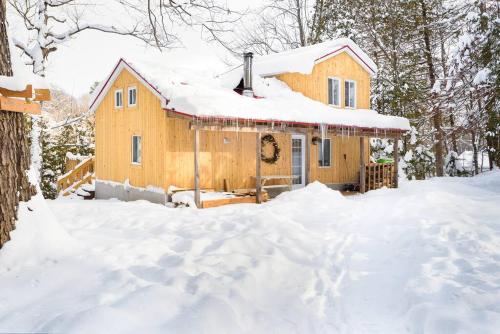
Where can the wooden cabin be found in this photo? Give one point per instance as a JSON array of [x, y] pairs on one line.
[[150, 138]]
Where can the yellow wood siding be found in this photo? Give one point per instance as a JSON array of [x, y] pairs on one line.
[[344, 167], [167, 148], [315, 85], [115, 128]]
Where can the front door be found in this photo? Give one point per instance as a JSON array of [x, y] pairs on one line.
[[298, 161]]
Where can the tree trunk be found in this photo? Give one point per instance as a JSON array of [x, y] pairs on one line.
[[14, 149], [474, 153], [493, 122], [436, 111]]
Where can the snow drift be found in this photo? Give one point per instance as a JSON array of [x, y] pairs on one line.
[[419, 259]]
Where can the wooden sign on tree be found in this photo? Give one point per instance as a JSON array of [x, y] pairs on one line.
[[23, 101]]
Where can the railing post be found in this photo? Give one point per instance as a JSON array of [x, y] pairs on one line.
[[258, 176], [396, 158], [362, 167], [197, 199]]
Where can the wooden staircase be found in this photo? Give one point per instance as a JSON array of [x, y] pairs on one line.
[[77, 175]]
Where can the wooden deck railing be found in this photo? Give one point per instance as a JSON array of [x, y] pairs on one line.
[[73, 179], [378, 175]]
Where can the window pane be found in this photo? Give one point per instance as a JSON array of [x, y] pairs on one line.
[[132, 96], [352, 94], [330, 97], [136, 149], [336, 92], [324, 153], [346, 93]]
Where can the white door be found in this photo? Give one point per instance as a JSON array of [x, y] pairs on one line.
[[298, 161]]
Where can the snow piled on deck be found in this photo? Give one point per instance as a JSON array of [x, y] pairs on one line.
[[420, 259]]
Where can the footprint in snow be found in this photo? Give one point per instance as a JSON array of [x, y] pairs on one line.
[[170, 260]]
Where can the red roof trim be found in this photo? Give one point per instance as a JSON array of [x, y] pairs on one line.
[[343, 47], [107, 81], [133, 70], [242, 120]]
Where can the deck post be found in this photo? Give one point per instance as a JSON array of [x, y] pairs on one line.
[[258, 175], [308, 156], [197, 200], [396, 158], [362, 167]]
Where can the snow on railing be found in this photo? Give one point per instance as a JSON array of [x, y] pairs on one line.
[[82, 173]]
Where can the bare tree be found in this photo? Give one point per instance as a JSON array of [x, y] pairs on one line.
[[50, 23], [280, 25], [211, 17], [288, 24]]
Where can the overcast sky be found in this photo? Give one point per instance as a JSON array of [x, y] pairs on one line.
[[90, 56]]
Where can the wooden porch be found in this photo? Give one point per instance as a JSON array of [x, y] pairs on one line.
[[371, 175]]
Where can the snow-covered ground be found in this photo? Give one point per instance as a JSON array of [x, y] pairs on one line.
[[424, 258]]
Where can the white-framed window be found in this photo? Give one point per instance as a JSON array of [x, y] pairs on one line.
[[136, 150], [334, 92], [324, 153], [350, 94], [118, 98], [132, 96]]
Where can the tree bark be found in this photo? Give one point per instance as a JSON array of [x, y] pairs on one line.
[[474, 153], [14, 149], [436, 111]]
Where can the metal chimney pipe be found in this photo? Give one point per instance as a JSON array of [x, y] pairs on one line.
[[247, 74]]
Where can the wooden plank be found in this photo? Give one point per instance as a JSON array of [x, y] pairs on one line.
[[234, 200], [362, 167], [27, 93], [396, 158], [17, 105], [258, 172], [197, 168], [42, 95], [224, 201]]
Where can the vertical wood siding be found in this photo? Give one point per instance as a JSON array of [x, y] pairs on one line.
[[167, 143], [342, 66]]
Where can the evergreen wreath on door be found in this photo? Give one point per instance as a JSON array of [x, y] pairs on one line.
[[269, 139]]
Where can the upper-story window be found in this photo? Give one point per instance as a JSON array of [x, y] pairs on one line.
[[350, 94], [118, 98], [334, 92], [132, 96]]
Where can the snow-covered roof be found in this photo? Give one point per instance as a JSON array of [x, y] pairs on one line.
[[199, 94], [302, 60]]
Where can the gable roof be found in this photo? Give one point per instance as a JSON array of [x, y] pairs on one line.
[[102, 89], [302, 60], [206, 97]]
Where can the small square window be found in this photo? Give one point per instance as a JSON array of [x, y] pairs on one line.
[[118, 98], [334, 92], [324, 153], [350, 94], [132, 96], [136, 150]]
